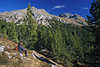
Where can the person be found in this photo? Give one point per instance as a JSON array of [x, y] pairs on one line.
[[21, 49], [26, 52]]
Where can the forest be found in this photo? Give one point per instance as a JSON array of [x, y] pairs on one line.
[[67, 44]]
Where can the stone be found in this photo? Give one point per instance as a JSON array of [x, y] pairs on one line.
[[2, 48]]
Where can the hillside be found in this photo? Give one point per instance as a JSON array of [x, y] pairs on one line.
[[42, 17], [11, 58], [59, 38]]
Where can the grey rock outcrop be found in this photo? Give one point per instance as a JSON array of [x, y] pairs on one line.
[[41, 16]]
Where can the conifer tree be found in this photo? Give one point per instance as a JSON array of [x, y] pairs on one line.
[[31, 29], [11, 32], [94, 23], [3, 29], [21, 32]]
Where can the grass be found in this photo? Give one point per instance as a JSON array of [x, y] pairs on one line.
[[3, 60]]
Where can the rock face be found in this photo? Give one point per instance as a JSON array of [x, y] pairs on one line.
[[74, 18], [41, 16], [66, 15]]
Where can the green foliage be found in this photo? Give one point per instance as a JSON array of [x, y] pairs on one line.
[[67, 43], [11, 32], [31, 32], [3, 29], [27, 32], [8, 30], [94, 24]]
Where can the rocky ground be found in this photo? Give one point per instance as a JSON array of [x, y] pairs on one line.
[[11, 58]]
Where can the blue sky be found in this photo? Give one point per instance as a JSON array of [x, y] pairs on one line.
[[56, 7]]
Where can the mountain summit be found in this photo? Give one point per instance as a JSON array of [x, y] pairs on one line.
[[41, 16]]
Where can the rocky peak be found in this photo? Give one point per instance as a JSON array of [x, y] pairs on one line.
[[66, 15], [41, 16], [74, 18], [69, 15]]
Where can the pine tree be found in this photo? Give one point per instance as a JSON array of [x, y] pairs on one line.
[[11, 32], [31, 29], [3, 29], [21, 32], [94, 21]]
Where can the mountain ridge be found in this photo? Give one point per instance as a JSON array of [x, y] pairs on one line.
[[41, 16]]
